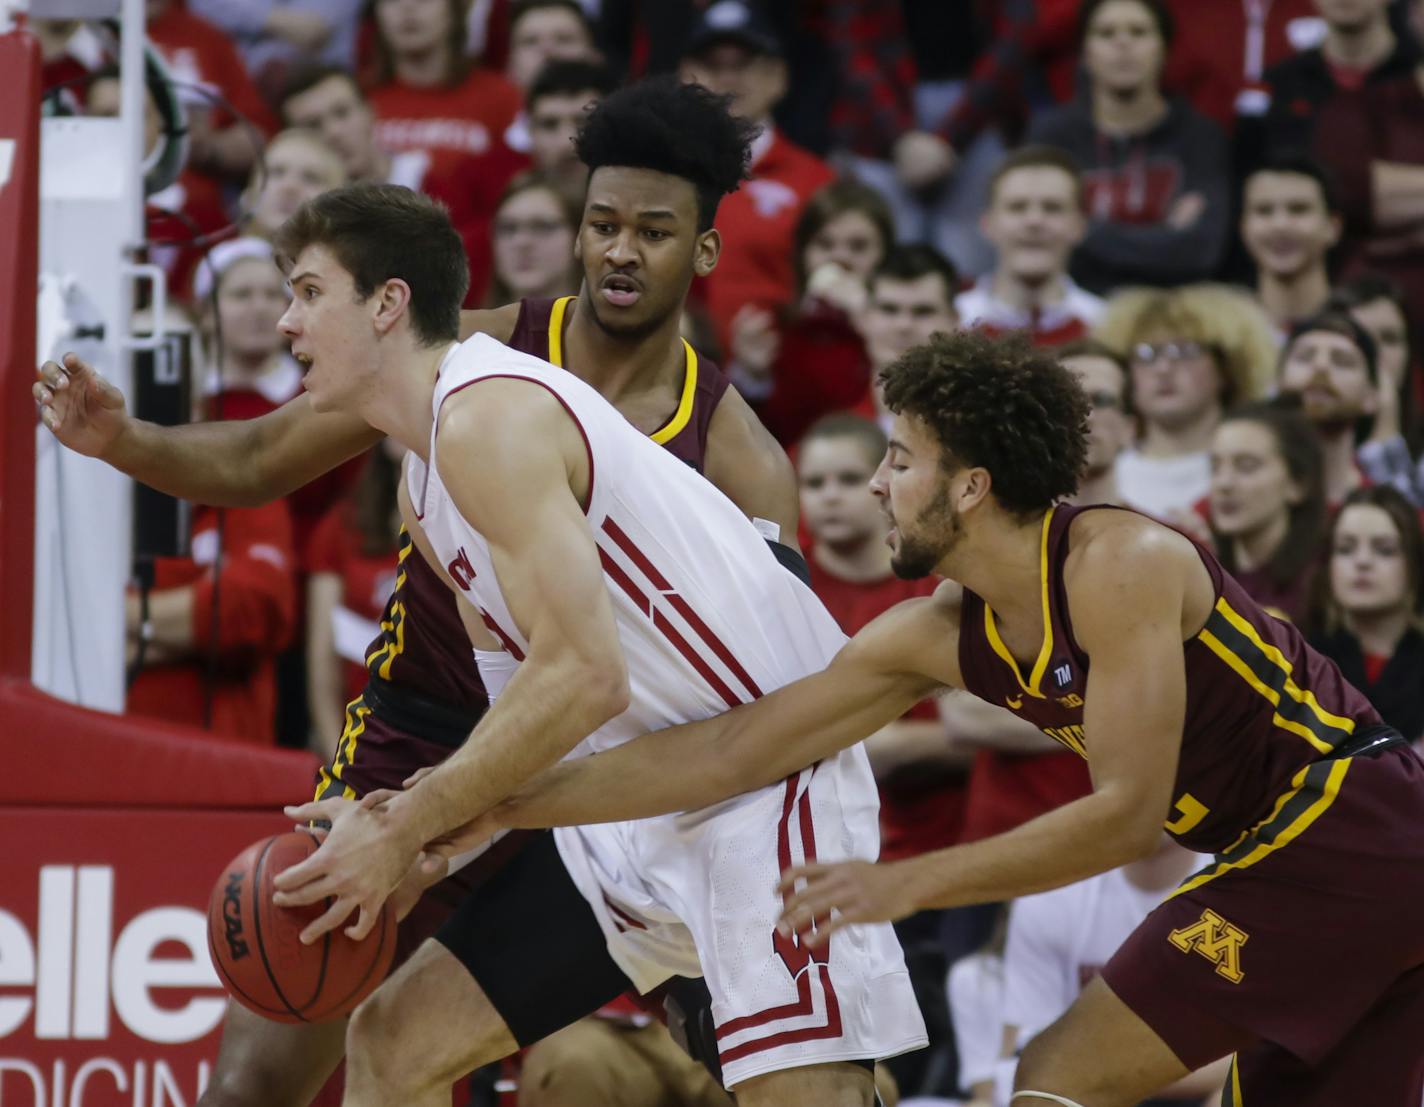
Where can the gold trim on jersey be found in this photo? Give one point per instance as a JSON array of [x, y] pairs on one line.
[[1233, 639], [1312, 791], [680, 416], [356, 712], [392, 644], [991, 629]]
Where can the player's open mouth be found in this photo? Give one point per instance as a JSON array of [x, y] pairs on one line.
[[304, 360], [621, 291]]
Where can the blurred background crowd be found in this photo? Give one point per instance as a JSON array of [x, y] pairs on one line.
[[1214, 209]]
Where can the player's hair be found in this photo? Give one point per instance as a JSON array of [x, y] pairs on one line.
[[307, 77], [1160, 11], [831, 201], [567, 76], [1224, 320], [670, 127], [381, 232], [866, 433], [570, 207], [1000, 404], [1335, 321], [1091, 347], [1299, 165], [1299, 448], [1326, 614], [457, 62], [520, 8], [910, 263], [1038, 156]]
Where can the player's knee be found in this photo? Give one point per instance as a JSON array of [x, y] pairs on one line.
[[377, 1054], [571, 1067]]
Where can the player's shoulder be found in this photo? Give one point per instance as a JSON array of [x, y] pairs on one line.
[[737, 441], [498, 323], [1112, 541]]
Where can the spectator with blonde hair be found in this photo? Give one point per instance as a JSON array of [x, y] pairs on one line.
[[1192, 353], [297, 165]]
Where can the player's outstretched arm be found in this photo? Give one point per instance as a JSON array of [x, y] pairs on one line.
[[875, 678], [1126, 602], [236, 463]]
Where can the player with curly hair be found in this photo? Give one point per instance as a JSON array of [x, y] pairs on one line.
[[1299, 949]]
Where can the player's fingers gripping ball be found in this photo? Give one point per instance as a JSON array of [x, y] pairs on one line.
[[257, 949]]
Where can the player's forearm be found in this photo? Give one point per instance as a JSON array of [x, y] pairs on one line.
[[543, 712], [1080, 839], [204, 462]]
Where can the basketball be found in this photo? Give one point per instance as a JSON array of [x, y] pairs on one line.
[[257, 949]]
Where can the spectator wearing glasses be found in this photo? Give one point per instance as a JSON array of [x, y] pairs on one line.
[[1266, 507], [1154, 170], [1193, 352], [1102, 372], [1369, 616], [534, 230], [1290, 220], [1034, 219]]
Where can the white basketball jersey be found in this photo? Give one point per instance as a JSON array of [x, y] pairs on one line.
[[707, 617]]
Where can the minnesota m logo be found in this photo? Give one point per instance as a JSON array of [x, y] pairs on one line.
[[1216, 940]]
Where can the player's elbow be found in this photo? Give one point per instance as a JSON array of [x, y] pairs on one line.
[[1132, 829], [604, 688]]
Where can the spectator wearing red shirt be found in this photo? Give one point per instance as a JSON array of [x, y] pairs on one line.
[[204, 59], [1155, 171], [428, 95], [814, 362], [352, 567], [1034, 219], [202, 641], [1266, 507], [910, 298], [733, 52]]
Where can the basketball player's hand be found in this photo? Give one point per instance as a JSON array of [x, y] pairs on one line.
[[81, 408], [843, 894], [364, 858]]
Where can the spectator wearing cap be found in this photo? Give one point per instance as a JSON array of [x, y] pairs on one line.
[[1034, 219], [734, 52], [427, 94], [1359, 48], [1331, 364], [1154, 169], [1192, 353], [1290, 221]]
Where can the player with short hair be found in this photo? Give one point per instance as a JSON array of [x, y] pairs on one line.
[[624, 593], [1300, 948], [424, 694]]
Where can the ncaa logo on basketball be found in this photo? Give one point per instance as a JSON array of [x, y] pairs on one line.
[[232, 917]]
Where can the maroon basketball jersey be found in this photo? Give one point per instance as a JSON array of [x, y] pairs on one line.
[[1261, 704], [423, 646]]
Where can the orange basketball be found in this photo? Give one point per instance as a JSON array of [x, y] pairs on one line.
[[257, 949]]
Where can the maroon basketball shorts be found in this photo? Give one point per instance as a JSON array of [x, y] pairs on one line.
[[390, 734], [1300, 948]]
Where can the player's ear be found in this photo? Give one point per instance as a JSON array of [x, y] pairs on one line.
[[975, 489], [709, 249], [392, 300]]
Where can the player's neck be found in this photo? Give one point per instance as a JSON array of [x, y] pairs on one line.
[[1191, 436], [1128, 113], [998, 559], [1289, 299], [1378, 632], [1362, 47], [401, 397], [620, 366], [860, 562], [1028, 296]]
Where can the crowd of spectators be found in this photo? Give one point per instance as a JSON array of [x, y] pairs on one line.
[[1214, 209]]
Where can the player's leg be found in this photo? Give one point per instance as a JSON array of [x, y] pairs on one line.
[[601, 1063], [840, 1084], [1098, 1053], [1379, 1061], [272, 1064], [522, 958]]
